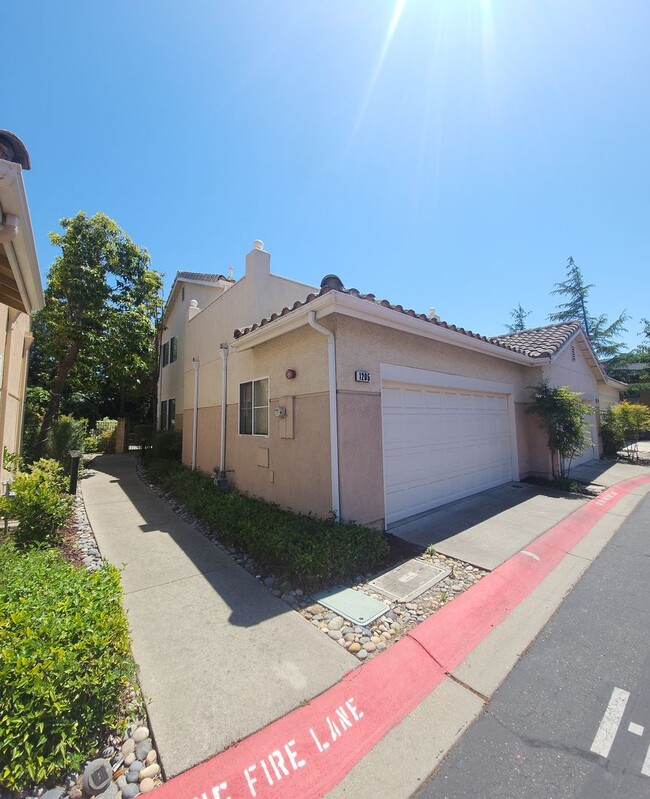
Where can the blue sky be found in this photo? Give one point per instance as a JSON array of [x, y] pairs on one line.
[[445, 153]]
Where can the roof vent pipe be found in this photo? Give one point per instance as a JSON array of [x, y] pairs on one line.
[[8, 228]]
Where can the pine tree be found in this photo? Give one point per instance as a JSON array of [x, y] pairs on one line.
[[518, 316], [602, 335]]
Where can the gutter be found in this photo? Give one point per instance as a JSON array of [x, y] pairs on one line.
[[357, 308], [21, 251], [334, 427]]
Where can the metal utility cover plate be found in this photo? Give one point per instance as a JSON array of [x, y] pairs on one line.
[[353, 605], [409, 580]]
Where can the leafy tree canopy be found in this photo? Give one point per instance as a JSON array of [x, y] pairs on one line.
[[561, 412], [604, 336], [518, 316], [96, 331]]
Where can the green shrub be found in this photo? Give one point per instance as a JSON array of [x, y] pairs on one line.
[[168, 445], [40, 505], [102, 438], [67, 434], [65, 663], [308, 551], [143, 435]]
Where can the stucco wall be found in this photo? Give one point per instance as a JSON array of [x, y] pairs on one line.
[[172, 376], [607, 396], [361, 457]]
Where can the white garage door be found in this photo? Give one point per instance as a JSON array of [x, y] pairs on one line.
[[441, 445]]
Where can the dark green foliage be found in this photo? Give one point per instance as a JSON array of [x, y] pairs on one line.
[[40, 505], [96, 333], [168, 444], [143, 435], [518, 316], [65, 663], [66, 434], [308, 551], [604, 337], [561, 412]]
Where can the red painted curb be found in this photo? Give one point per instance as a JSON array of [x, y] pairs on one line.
[[306, 753]]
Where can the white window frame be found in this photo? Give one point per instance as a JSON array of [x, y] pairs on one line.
[[255, 407]]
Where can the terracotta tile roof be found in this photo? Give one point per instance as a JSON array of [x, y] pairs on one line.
[[203, 277], [539, 342], [333, 283]]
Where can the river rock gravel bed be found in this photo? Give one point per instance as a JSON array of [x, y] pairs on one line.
[[362, 642]]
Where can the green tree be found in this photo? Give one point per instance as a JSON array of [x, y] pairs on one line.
[[623, 425], [98, 323], [561, 412], [602, 335], [518, 316]]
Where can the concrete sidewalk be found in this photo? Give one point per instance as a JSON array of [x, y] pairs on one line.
[[488, 528], [219, 656]]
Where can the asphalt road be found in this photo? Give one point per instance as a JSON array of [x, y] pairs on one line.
[[572, 720]]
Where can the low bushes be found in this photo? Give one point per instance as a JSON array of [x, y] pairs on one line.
[[622, 427], [308, 551], [102, 438], [40, 505], [67, 434], [65, 663]]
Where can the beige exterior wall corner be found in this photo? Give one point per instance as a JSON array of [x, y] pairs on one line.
[[361, 458]]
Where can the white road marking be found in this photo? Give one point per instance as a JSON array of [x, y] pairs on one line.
[[530, 554], [645, 768], [637, 729], [610, 723]]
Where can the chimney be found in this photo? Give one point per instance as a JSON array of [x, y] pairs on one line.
[[258, 262], [192, 310]]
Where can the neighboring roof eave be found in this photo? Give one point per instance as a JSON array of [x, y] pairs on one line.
[[21, 252], [222, 282], [359, 308]]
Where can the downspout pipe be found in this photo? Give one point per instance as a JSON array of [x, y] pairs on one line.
[[334, 426], [223, 350], [195, 420]]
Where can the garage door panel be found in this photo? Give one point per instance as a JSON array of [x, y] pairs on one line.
[[441, 445]]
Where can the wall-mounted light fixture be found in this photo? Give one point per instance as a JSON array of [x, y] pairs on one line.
[[290, 374], [280, 412]]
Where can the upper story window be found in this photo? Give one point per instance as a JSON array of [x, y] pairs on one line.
[[164, 358], [173, 349], [254, 407]]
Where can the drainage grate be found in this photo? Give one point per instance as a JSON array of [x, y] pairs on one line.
[[352, 605], [409, 580]]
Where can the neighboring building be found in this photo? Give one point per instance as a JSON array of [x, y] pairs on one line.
[[190, 291], [338, 402], [21, 291]]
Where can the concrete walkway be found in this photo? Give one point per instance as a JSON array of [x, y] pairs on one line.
[[219, 656], [488, 528]]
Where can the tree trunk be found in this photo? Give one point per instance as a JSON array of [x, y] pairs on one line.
[[56, 389]]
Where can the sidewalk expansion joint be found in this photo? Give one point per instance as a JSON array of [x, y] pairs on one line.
[[170, 582], [482, 697], [485, 699]]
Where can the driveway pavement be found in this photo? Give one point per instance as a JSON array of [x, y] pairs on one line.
[[219, 656], [488, 528]]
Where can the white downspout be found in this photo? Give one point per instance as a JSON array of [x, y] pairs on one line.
[[195, 421], [223, 349], [334, 427]]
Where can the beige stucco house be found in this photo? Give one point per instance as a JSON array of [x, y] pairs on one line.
[[331, 401], [21, 290]]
